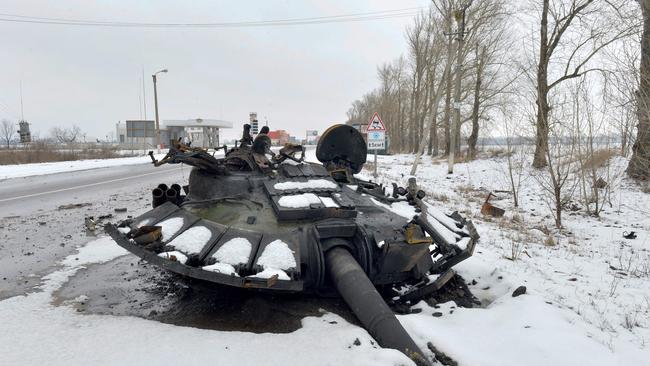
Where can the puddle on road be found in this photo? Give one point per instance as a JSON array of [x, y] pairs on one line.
[[125, 287]]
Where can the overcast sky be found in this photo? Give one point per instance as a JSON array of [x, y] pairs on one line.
[[298, 77]]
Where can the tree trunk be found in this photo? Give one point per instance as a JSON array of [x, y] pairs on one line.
[[400, 119], [541, 136], [446, 119], [558, 206], [433, 137], [457, 141], [639, 167], [624, 143], [402, 133], [411, 120], [473, 137]]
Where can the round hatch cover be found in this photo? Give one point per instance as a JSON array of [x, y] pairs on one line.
[[342, 143]]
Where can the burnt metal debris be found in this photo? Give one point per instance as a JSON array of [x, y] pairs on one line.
[[489, 209], [271, 221]]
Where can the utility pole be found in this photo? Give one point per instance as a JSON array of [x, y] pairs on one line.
[[155, 102], [460, 18], [144, 96], [22, 111], [140, 102]]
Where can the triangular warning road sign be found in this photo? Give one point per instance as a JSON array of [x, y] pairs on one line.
[[376, 124]]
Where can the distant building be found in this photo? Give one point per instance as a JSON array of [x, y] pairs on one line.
[[25, 134], [141, 134], [200, 132], [136, 133], [311, 137], [279, 137], [255, 125]]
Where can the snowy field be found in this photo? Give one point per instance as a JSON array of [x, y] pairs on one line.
[[587, 300]]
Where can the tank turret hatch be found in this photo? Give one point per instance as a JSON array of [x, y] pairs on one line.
[[343, 151]]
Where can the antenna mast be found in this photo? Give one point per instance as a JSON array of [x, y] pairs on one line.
[[144, 95], [22, 112]]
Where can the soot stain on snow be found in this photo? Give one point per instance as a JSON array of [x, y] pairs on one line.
[[129, 287], [233, 309]]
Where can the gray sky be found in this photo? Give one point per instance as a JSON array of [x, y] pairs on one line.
[[299, 77]]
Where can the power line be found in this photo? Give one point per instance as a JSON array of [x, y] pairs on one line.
[[213, 25], [263, 21], [355, 17]]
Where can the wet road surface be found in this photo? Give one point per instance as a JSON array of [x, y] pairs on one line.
[[35, 234], [28, 195]]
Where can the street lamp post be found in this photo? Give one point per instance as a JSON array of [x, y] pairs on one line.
[[155, 101]]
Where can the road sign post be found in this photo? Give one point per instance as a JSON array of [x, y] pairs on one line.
[[376, 137]]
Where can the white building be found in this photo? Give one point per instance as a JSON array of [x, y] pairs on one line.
[[199, 132], [136, 134]]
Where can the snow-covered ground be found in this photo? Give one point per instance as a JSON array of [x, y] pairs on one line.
[[587, 300], [27, 170], [35, 332]]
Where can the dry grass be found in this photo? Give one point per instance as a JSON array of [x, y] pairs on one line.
[[369, 167], [515, 224], [440, 197], [549, 241], [645, 188], [599, 159], [497, 153], [545, 230], [465, 189], [463, 157], [40, 152]]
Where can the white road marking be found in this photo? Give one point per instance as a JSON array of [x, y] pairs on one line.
[[85, 185]]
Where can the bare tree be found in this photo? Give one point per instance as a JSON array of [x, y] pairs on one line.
[[486, 23], [435, 92], [593, 151], [620, 87], [492, 58], [445, 8], [68, 135], [639, 166], [571, 34], [7, 132], [558, 181], [419, 40], [515, 154]]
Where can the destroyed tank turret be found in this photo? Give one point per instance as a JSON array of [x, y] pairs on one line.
[[259, 220]]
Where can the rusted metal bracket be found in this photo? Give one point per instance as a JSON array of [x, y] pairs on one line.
[[491, 210]]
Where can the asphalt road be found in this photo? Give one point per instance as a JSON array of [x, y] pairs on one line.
[[35, 233], [28, 195]]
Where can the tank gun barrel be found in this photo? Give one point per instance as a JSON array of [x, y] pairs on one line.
[[367, 304]]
